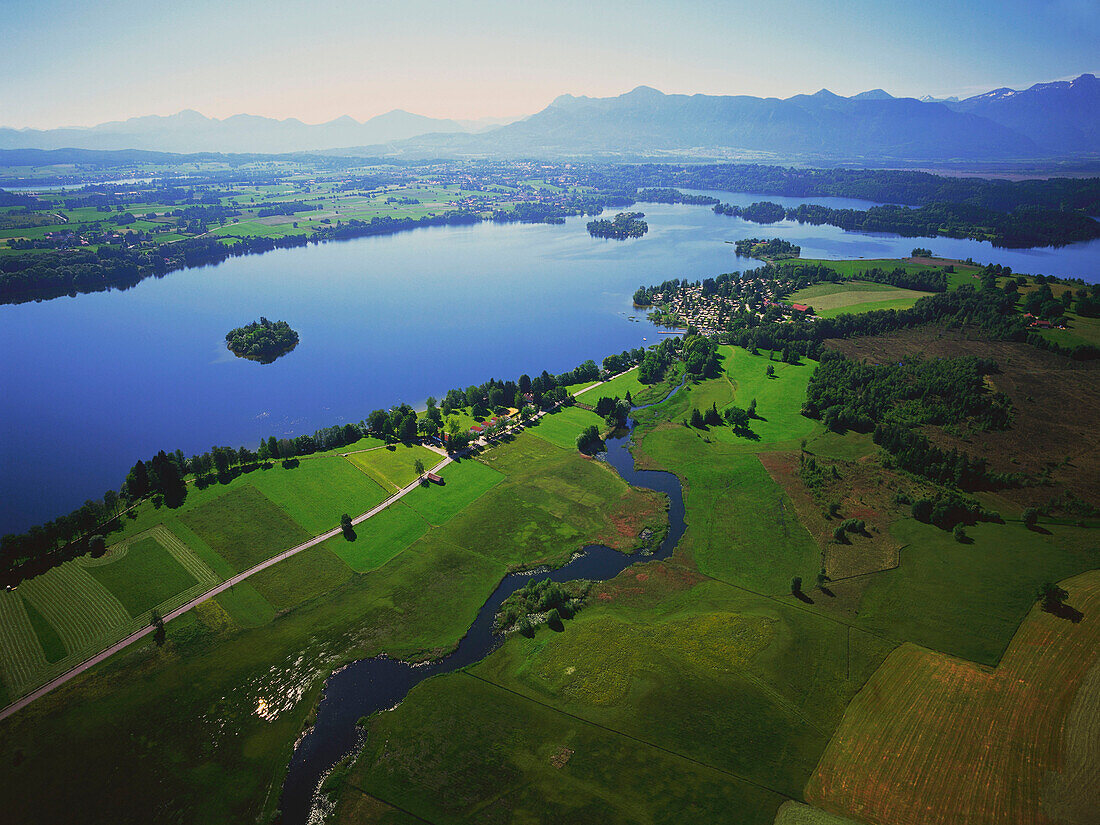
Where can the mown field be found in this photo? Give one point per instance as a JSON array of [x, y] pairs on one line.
[[253, 659], [164, 557], [932, 739], [830, 300]]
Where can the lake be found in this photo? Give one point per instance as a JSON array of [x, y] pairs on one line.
[[89, 385]]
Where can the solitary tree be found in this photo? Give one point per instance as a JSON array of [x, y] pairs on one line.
[[959, 533], [418, 468], [157, 623], [796, 585], [1030, 517], [346, 527], [770, 371], [1051, 595]]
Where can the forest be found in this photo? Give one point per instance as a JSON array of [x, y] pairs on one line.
[[1023, 227]]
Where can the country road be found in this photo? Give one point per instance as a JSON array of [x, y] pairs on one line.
[[240, 577], [209, 594]]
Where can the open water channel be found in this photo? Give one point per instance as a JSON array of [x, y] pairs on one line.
[[370, 685]]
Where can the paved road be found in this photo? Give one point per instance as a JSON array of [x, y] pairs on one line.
[[240, 577], [209, 594]]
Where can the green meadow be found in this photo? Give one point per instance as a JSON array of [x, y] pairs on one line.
[[253, 659], [391, 467], [830, 300], [562, 426]]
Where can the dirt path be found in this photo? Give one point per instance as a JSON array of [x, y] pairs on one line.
[[240, 577], [209, 594]]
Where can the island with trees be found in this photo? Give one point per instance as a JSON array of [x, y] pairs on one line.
[[625, 225], [262, 340], [774, 250]]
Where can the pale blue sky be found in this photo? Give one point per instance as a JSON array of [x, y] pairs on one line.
[[80, 63]]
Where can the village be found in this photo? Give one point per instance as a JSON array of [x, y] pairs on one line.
[[704, 305]]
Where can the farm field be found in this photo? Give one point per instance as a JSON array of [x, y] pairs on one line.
[[562, 426], [830, 300], [235, 656], [853, 268], [743, 527], [164, 557], [391, 467], [952, 740]]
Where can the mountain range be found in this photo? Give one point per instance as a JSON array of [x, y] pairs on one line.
[[1059, 119], [189, 131]]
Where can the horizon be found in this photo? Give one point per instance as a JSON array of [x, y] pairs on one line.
[[472, 61], [521, 116]]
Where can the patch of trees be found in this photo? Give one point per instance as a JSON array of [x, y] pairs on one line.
[[625, 225], [668, 195], [589, 440], [948, 509], [759, 212], [762, 248], [848, 395], [269, 210], [614, 411], [883, 186], [657, 361], [555, 212], [1023, 227], [262, 340], [615, 364], [921, 252], [913, 452], [541, 598]]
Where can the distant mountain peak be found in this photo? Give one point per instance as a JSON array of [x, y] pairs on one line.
[[644, 91], [825, 94], [873, 94]]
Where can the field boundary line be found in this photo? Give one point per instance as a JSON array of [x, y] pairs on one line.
[[632, 738], [126, 641], [392, 805]]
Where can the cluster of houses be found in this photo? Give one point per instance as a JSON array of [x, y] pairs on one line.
[[1035, 322], [711, 313]]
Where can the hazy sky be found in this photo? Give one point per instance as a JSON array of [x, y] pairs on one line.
[[80, 63]]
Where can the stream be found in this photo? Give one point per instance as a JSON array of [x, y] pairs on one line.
[[370, 685]]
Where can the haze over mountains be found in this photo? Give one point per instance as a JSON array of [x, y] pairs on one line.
[[1060, 119], [189, 131]]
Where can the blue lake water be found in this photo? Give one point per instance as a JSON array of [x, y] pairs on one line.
[[90, 384]]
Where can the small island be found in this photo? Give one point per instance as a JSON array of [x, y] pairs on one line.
[[262, 340], [776, 249], [626, 225]]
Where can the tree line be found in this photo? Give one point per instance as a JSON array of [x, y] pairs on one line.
[[1023, 227], [163, 479]]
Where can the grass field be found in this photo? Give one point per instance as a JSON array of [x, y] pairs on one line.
[[392, 467], [663, 664], [955, 742], [380, 538], [244, 527], [742, 525], [853, 268], [146, 575], [830, 300], [203, 754], [318, 491], [562, 426], [464, 481], [968, 600], [461, 750]]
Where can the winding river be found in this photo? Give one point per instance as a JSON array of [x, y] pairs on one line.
[[371, 685]]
